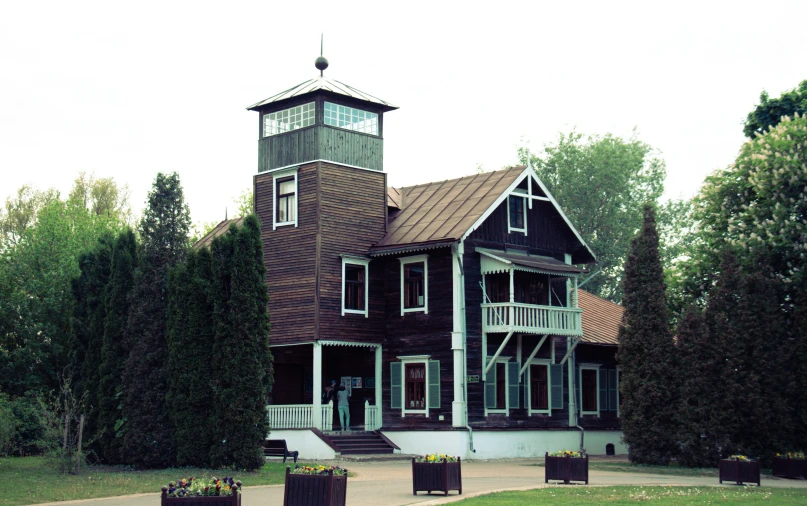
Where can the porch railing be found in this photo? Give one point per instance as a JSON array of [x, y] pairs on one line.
[[517, 317], [372, 417], [298, 416]]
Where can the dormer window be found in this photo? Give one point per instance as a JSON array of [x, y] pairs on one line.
[[517, 214], [288, 119], [350, 118]]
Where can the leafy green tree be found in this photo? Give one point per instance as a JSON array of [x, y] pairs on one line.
[[114, 349], [771, 110], [164, 228], [601, 183], [646, 354], [20, 213], [245, 203]]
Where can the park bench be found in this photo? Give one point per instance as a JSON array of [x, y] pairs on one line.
[[278, 448]]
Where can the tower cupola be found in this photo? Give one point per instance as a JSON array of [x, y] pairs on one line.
[[321, 119]]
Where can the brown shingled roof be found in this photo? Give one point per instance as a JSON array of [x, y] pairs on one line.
[[218, 230], [601, 319], [441, 212]]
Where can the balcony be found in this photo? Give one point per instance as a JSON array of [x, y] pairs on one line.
[[531, 319]]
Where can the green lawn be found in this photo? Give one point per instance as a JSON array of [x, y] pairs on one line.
[[28, 480], [582, 495]]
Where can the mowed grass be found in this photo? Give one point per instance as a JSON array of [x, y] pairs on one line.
[[28, 480], [582, 495]]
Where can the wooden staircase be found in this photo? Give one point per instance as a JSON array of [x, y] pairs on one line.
[[358, 443]]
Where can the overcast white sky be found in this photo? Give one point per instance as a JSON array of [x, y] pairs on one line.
[[131, 89]]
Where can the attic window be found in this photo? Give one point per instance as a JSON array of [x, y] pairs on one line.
[[517, 214], [351, 119], [288, 119]]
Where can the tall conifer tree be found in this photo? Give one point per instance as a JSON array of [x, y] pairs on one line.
[[647, 354], [113, 351], [147, 438]]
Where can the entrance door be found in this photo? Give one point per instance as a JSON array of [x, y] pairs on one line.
[[289, 384]]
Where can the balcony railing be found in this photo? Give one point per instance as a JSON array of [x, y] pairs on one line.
[[298, 416], [528, 318], [372, 417]]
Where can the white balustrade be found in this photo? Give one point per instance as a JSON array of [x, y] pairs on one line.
[[506, 316], [327, 416], [372, 417], [290, 416]]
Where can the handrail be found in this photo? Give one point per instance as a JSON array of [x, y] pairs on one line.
[[521, 317]]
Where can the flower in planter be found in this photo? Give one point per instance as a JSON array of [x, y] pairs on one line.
[[567, 453], [337, 471], [436, 457], [792, 455], [741, 458], [190, 487]]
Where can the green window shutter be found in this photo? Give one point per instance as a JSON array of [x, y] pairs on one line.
[[490, 388], [556, 385], [512, 381], [612, 386], [434, 383], [395, 380], [603, 380]]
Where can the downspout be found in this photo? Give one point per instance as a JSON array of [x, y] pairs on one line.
[[572, 375], [465, 352]]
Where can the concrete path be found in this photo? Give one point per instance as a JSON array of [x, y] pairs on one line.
[[389, 483]]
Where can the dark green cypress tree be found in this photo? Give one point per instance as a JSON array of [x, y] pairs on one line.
[[798, 366], [88, 327], [147, 438], [244, 377], [113, 351], [647, 354]]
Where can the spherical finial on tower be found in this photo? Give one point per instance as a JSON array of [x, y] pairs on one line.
[[321, 63]]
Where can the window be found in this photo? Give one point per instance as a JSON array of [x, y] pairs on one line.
[[588, 390], [415, 384], [415, 391], [414, 284], [351, 119], [288, 119], [539, 387], [517, 214], [501, 386], [285, 194], [354, 285]]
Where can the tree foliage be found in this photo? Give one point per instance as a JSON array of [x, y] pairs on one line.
[[164, 236], [770, 111], [646, 354], [601, 183]]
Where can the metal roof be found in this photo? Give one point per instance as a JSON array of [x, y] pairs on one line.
[[601, 319], [323, 84], [217, 231], [501, 262]]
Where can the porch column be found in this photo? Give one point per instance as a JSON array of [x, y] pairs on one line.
[[378, 368], [316, 415], [568, 261], [458, 340], [511, 309]]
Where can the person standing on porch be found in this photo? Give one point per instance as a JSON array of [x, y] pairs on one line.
[[329, 393], [344, 408]]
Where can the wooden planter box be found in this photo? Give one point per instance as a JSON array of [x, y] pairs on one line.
[[436, 476], [315, 489], [739, 472], [785, 467], [565, 469], [227, 500]]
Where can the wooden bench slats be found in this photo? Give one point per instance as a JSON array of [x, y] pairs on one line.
[[278, 448]]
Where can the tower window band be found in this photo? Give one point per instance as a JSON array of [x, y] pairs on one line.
[[350, 118], [289, 119]]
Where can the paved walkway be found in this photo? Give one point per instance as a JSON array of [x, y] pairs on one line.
[[389, 483]]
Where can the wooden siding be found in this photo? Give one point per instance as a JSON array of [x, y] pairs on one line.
[[546, 234], [351, 148], [420, 334], [321, 142], [289, 254], [352, 218]]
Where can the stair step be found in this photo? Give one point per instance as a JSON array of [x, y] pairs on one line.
[[359, 443]]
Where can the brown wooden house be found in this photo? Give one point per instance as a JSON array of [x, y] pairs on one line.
[[450, 310]]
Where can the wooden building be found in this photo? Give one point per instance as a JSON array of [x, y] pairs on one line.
[[450, 310]]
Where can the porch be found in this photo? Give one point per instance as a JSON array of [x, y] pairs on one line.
[[302, 373], [529, 294]]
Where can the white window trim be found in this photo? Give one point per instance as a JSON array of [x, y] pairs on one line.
[[596, 368], [282, 175], [412, 260], [414, 359], [346, 260], [524, 198], [546, 363], [506, 410]]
